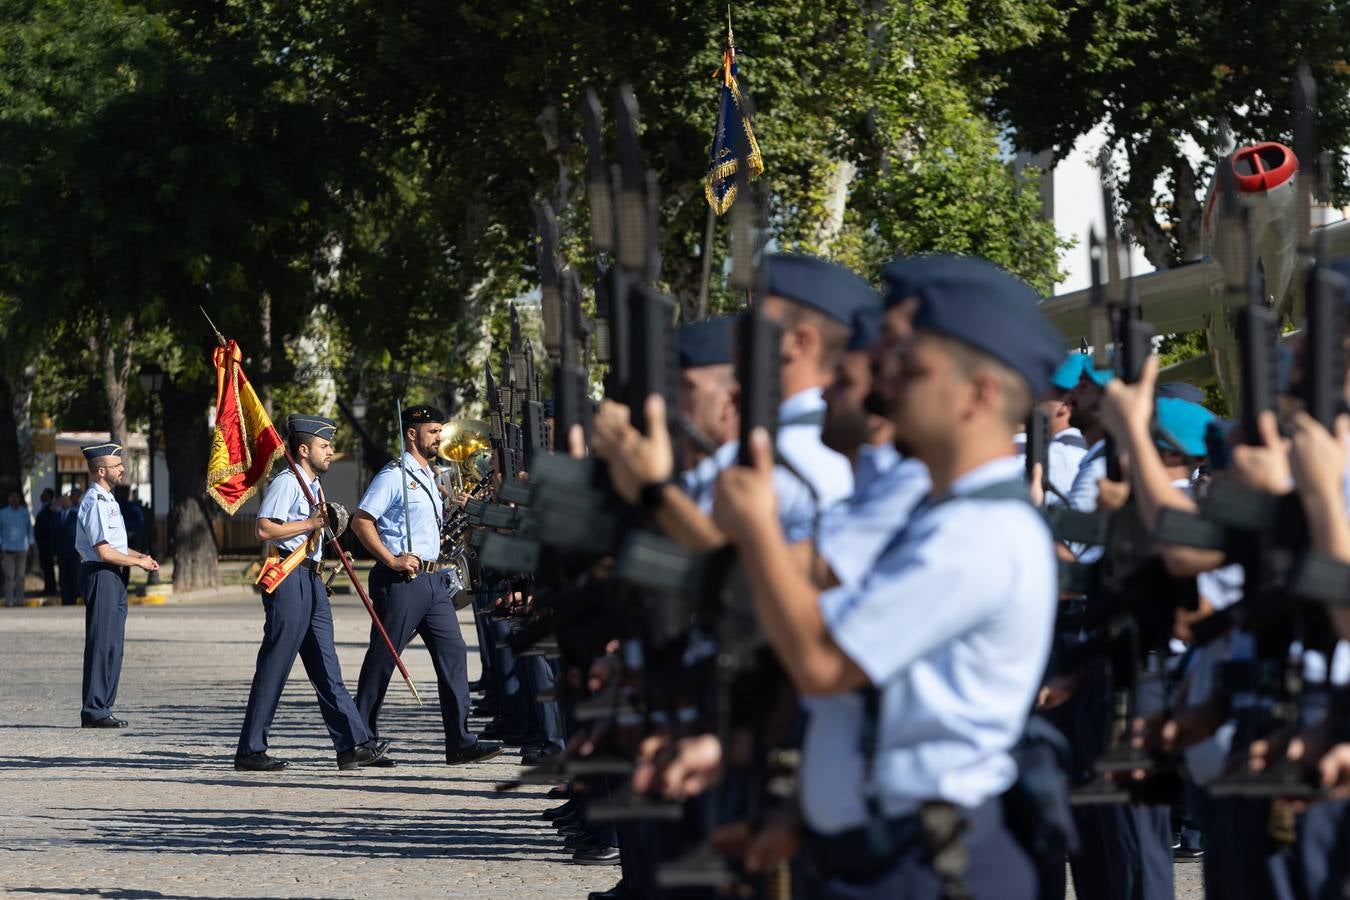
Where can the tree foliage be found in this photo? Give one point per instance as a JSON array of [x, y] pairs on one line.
[[1158, 72], [350, 184]]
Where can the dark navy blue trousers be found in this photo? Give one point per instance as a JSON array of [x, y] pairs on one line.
[[421, 606], [298, 620], [502, 671], [1243, 862], [998, 868], [105, 624], [1125, 850]]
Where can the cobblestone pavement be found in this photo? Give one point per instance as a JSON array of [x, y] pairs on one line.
[[157, 810]]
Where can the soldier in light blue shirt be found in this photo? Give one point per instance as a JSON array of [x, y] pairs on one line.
[[101, 541], [1066, 449], [298, 617], [919, 678], [886, 484], [399, 524], [813, 301]]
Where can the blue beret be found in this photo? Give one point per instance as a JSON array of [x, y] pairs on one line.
[[318, 426], [422, 415], [1181, 391], [866, 332], [1182, 424], [94, 451], [974, 301], [1067, 376], [706, 342], [1101, 376], [824, 286]]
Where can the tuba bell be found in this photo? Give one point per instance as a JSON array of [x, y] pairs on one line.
[[462, 440], [466, 444]]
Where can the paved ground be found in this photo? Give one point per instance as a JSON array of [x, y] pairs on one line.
[[158, 811]]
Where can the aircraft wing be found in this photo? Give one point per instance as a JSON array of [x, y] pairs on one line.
[[1171, 300], [1338, 237], [1198, 370]]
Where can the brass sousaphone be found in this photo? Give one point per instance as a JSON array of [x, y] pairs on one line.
[[464, 442], [467, 445]]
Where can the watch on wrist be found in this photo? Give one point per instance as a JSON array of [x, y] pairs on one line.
[[652, 495]]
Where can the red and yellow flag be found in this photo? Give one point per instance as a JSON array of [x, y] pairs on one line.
[[245, 443]]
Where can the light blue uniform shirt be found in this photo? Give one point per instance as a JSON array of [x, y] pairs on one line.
[[1063, 457], [285, 502], [887, 487], [16, 529], [1092, 469], [957, 647], [827, 472], [383, 500], [99, 520]]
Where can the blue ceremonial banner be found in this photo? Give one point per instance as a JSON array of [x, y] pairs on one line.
[[720, 184]]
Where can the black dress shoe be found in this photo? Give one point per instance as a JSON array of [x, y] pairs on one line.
[[258, 762], [477, 753], [359, 757], [557, 812], [582, 840], [476, 687], [538, 757], [572, 829], [494, 732], [569, 819], [615, 893], [597, 855], [105, 722]]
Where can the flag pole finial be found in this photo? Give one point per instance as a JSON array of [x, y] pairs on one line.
[[220, 338], [730, 42]]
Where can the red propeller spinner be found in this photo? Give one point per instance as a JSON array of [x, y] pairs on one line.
[[1260, 167]]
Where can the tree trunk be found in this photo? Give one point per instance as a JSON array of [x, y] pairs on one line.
[[1190, 210], [11, 462], [112, 348], [1147, 233], [187, 444], [836, 203]]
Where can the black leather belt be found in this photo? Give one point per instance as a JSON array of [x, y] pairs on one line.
[[425, 567]]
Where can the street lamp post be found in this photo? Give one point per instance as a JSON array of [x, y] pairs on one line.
[[152, 380]]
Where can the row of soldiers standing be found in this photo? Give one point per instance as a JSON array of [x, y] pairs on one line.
[[902, 572]]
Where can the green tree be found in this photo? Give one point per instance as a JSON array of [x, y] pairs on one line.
[[161, 157], [1158, 72]]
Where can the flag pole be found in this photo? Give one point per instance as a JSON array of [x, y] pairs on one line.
[[331, 539], [707, 262]]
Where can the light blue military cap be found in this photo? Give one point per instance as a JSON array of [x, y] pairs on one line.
[[94, 451], [1069, 372], [1182, 425], [318, 426]]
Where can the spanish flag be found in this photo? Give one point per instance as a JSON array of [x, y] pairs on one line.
[[720, 184], [245, 443]]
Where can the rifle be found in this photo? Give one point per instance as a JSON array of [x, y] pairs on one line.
[[601, 203], [1037, 445]]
